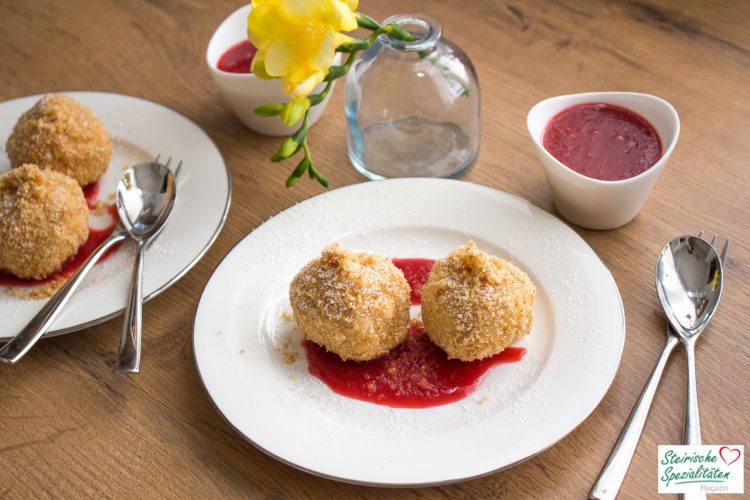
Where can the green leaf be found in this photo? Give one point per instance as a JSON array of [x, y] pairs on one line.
[[272, 109]]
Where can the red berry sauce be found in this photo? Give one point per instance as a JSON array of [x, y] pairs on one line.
[[416, 272], [602, 141], [237, 58]]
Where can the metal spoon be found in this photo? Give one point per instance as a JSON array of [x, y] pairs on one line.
[[613, 472], [689, 279], [145, 198]]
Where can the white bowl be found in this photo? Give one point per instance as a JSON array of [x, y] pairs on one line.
[[594, 203], [244, 91]]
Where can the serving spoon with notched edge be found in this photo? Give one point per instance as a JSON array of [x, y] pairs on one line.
[[144, 204]]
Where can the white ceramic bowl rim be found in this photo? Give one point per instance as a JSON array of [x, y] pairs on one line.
[[601, 97]]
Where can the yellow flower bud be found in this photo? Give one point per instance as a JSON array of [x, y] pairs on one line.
[[294, 110], [288, 147]]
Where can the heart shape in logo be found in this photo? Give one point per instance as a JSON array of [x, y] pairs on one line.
[[732, 454]]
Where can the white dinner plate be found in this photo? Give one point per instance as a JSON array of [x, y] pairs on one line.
[[140, 130], [245, 342]]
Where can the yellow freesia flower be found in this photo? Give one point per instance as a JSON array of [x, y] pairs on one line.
[[297, 39]]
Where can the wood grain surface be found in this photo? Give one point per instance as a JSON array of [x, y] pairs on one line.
[[70, 427]]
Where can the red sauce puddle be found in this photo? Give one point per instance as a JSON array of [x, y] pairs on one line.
[[91, 193], [237, 58], [414, 374], [416, 272], [69, 267], [602, 141]]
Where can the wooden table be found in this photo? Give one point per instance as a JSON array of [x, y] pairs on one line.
[[70, 427]]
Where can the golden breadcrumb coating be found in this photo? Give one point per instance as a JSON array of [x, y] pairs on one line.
[[61, 134], [43, 221], [353, 304], [474, 304]]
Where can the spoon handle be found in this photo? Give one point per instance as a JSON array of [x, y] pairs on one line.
[[19, 345], [612, 474], [692, 431], [129, 357], [692, 434]]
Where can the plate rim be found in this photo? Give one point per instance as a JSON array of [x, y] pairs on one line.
[[620, 346], [199, 255]]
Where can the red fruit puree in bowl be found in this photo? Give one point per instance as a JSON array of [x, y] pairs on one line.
[[602, 141], [237, 58], [414, 374]]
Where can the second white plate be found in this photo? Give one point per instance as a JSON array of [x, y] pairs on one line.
[[249, 356]]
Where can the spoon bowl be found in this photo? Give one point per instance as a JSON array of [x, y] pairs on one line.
[[145, 198], [689, 279]]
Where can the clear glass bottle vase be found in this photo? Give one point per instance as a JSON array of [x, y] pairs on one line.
[[413, 107]]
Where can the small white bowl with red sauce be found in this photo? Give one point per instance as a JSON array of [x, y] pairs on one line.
[[602, 152], [242, 90]]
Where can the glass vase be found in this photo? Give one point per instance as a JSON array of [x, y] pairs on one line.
[[413, 107]]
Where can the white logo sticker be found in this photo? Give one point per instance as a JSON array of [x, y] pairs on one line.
[[701, 469]]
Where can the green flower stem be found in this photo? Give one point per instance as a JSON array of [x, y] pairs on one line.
[[299, 140], [314, 173], [306, 164]]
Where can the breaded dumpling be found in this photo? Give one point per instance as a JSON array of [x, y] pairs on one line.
[[474, 304], [44, 220], [353, 304], [61, 134]]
